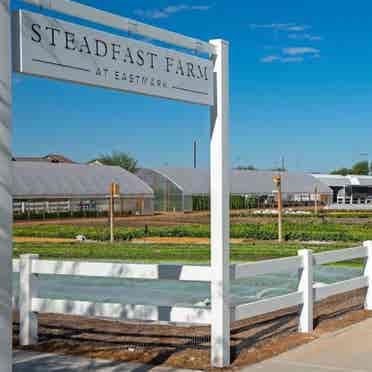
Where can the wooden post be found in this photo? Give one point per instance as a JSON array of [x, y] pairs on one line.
[[278, 183], [28, 290], [114, 192], [220, 210], [316, 201], [111, 209], [5, 189]]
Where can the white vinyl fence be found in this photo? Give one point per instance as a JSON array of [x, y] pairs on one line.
[[29, 267]]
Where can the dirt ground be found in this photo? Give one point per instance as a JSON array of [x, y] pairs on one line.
[[25, 239], [252, 340], [178, 218]]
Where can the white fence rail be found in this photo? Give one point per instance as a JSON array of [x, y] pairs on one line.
[[41, 206], [29, 303]]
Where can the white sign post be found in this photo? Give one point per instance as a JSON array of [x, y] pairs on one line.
[[56, 49], [220, 209], [5, 187]]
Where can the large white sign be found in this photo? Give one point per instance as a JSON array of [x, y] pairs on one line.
[[56, 49]]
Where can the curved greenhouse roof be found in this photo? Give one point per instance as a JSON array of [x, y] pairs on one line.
[[41, 180], [197, 181]]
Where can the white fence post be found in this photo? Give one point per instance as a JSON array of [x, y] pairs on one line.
[[306, 287], [368, 274], [28, 290], [220, 209]]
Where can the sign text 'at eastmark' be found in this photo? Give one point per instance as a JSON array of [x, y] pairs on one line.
[[56, 49]]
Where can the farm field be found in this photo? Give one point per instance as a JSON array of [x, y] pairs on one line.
[[184, 238]]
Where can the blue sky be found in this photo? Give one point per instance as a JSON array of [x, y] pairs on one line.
[[301, 87]]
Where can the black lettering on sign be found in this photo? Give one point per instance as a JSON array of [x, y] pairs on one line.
[[190, 70], [53, 34], [36, 37], [179, 70], [101, 48], [128, 55], [84, 47], [152, 58], [115, 51], [70, 41], [140, 57], [202, 73], [170, 61]]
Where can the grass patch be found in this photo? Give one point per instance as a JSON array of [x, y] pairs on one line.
[[163, 253]]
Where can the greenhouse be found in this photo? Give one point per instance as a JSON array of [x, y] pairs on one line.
[[59, 189], [187, 189]]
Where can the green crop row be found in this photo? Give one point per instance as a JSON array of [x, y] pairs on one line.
[[291, 231]]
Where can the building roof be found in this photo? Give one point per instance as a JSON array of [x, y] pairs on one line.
[[341, 181], [196, 181], [43, 179], [333, 180], [361, 180], [50, 158]]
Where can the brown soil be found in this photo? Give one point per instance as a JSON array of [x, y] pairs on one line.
[[181, 240], [22, 239], [252, 340]]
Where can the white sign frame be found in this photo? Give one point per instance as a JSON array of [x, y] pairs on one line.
[[60, 50], [220, 169]]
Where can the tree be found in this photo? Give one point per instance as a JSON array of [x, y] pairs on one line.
[[361, 168], [341, 171], [120, 159]]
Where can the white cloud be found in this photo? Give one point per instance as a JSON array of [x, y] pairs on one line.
[[276, 58], [294, 51], [304, 37], [291, 27], [296, 28], [292, 59], [270, 59], [169, 10]]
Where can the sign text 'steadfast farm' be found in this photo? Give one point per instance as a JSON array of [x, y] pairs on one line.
[[61, 50]]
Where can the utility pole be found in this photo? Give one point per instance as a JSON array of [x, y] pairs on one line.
[[195, 150], [278, 183], [114, 192]]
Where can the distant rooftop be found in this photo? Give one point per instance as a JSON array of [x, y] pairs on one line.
[[197, 181], [342, 181], [50, 158], [43, 179]]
